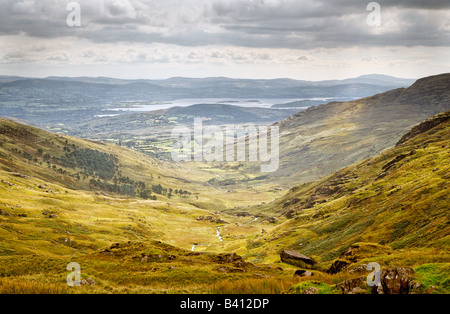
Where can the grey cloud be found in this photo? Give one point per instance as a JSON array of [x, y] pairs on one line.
[[304, 24]]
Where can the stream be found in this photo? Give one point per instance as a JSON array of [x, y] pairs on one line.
[[217, 234]]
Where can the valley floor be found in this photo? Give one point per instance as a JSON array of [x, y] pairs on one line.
[[136, 246]]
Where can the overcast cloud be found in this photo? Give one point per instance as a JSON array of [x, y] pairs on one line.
[[209, 36]]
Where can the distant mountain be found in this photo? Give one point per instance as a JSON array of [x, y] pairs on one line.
[[65, 100], [374, 79], [329, 137], [203, 87], [227, 114], [378, 79], [9, 78]]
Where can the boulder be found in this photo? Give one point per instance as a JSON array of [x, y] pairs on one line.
[[353, 285], [271, 220], [229, 258], [289, 256], [395, 280], [303, 273]]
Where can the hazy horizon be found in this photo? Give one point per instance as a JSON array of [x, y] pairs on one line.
[[210, 77]]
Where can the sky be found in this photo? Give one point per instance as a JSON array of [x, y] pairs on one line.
[[155, 39]]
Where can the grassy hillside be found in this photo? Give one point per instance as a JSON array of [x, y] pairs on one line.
[[109, 169], [325, 138], [392, 209]]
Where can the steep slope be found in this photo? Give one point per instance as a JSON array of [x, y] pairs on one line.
[[398, 201], [325, 138], [103, 168]]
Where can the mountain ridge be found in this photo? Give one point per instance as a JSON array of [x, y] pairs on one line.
[[331, 136]]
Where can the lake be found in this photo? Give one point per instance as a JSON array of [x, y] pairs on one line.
[[136, 106]]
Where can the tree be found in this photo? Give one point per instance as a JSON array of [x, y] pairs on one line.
[[146, 194]]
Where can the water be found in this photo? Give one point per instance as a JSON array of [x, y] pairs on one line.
[[218, 234], [256, 103]]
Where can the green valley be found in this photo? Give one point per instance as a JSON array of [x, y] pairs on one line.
[[360, 182]]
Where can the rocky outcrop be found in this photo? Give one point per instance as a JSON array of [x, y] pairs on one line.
[[425, 126], [293, 257], [396, 280], [338, 266], [228, 258], [231, 262], [328, 190], [353, 286], [271, 220]]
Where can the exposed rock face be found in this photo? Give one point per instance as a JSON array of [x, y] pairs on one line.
[[396, 280], [338, 266], [289, 256], [425, 126]]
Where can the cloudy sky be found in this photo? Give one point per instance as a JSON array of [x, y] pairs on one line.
[[300, 39]]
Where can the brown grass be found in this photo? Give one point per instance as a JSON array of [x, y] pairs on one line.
[[15, 286]]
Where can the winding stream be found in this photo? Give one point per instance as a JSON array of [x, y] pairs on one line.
[[217, 234]]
